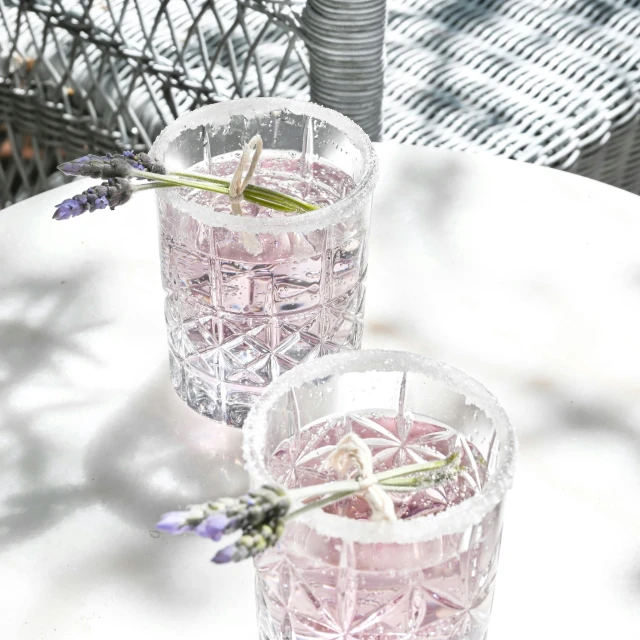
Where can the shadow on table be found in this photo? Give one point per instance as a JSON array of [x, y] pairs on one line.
[[571, 416], [38, 331], [154, 456], [579, 415], [413, 210], [427, 188], [159, 455], [634, 581]]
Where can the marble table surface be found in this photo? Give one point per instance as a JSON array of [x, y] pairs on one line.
[[526, 278]]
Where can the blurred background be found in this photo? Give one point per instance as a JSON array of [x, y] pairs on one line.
[[552, 82]]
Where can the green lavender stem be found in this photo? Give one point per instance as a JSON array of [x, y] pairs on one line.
[[420, 467], [254, 191], [261, 516], [257, 195], [145, 186], [316, 504], [392, 480]]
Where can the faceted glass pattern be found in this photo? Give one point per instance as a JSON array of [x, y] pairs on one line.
[[320, 587], [235, 324], [250, 296], [335, 575], [315, 586]]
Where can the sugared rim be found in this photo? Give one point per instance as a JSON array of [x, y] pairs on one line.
[[303, 222], [453, 520]]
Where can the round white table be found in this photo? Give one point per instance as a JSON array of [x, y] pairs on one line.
[[526, 278]]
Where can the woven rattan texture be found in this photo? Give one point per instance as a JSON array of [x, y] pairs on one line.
[[555, 82], [552, 81], [111, 74]]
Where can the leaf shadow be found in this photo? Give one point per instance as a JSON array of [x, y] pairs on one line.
[[38, 331]]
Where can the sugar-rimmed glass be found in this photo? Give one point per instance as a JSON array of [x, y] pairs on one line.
[[430, 574], [248, 297]]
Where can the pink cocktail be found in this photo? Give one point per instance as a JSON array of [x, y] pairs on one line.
[[335, 573], [250, 296]]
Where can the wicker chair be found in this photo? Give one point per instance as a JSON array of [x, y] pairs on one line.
[[110, 75], [555, 82]]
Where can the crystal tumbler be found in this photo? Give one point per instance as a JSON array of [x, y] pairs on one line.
[[337, 574], [250, 296]]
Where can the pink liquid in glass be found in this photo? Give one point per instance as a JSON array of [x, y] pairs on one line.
[[314, 586], [242, 308]]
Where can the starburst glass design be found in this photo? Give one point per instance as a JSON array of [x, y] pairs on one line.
[[323, 588], [318, 585]]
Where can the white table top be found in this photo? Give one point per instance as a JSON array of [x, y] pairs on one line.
[[526, 278]]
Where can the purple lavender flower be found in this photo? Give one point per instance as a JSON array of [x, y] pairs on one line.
[[111, 165], [150, 164], [225, 555], [69, 208], [259, 516], [97, 167], [215, 526], [111, 193], [174, 522], [251, 543], [133, 160]]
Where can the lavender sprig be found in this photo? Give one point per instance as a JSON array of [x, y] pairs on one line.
[[110, 193], [130, 165], [111, 165], [261, 515], [252, 543]]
